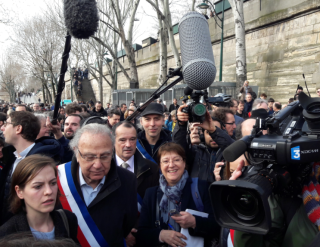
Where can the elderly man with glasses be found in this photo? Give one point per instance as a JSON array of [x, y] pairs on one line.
[[101, 194]]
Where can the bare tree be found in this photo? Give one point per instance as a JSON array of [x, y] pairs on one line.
[[240, 33], [10, 76], [114, 15]]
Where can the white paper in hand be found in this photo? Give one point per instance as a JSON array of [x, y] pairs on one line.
[[191, 240]]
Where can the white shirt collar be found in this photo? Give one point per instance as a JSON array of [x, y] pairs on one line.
[[83, 182], [24, 153], [130, 161]]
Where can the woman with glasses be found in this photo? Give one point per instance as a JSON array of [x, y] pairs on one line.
[[33, 196], [163, 212]]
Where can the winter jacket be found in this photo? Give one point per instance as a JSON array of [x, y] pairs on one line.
[[201, 159], [101, 113], [248, 106], [165, 137], [19, 223]]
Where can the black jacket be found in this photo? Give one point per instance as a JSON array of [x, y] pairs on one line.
[[200, 158], [114, 210], [165, 136], [101, 113], [45, 145], [147, 173], [172, 107], [19, 223], [148, 233]]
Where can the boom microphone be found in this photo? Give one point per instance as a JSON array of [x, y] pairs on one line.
[[236, 149], [199, 70], [81, 17]]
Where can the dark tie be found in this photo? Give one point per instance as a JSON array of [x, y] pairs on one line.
[[124, 165]]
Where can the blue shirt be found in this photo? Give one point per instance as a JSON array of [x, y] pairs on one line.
[[43, 235], [88, 192]]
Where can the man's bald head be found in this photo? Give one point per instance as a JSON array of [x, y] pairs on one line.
[[247, 127]]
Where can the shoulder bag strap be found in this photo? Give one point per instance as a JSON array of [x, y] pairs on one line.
[[65, 220]]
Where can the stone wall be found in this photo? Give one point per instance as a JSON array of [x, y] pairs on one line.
[[282, 41]]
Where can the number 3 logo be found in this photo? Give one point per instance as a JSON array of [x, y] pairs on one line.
[[296, 154]]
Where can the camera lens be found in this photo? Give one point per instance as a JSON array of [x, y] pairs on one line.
[[244, 204], [199, 110]]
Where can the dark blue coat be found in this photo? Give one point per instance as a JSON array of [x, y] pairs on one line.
[[148, 233]]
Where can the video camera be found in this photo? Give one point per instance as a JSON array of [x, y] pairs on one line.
[[280, 163], [197, 110]]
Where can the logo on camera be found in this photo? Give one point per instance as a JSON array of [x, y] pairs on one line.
[[295, 153]]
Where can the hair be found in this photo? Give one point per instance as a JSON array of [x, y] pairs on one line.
[[113, 112], [233, 100], [84, 107], [85, 115], [295, 96], [271, 100], [278, 105], [291, 100], [91, 120], [74, 115], [166, 113], [122, 105], [173, 113], [125, 124], [239, 131], [263, 95], [26, 170], [98, 102], [92, 129], [29, 122], [171, 147], [241, 102], [126, 114], [10, 111], [26, 239], [22, 106], [72, 109], [3, 117], [41, 116], [257, 103], [221, 113]]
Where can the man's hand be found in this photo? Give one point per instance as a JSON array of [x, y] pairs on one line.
[[194, 135], [182, 117], [208, 123], [217, 169], [172, 238], [237, 172], [55, 129], [186, 220], [130, 239]]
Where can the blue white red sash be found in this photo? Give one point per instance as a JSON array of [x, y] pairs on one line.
[[144, 153], [231, 238], [88, 233]]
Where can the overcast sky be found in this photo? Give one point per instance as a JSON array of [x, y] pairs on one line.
[[19, 10]]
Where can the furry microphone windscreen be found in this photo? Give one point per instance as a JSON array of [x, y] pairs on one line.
[[81, 17]]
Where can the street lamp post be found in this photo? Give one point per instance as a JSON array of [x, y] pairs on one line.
[[204, 5]]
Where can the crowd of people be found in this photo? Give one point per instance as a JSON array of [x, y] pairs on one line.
[[92, 178], [78, 76]]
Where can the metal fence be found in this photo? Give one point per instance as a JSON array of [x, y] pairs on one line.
[[141, 95]]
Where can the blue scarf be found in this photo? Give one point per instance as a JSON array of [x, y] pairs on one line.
[[171, 198]]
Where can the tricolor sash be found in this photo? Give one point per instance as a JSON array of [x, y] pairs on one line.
[[231, 238], [144, 152], [88, 232]]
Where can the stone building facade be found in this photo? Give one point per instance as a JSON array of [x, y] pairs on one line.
[[282, 43]]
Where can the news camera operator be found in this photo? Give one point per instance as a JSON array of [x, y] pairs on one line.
[[202, 158], [278, 196]]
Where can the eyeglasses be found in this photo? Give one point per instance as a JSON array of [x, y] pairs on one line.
[[231, 123], [175, 161], [90, 157], [6, 123]]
